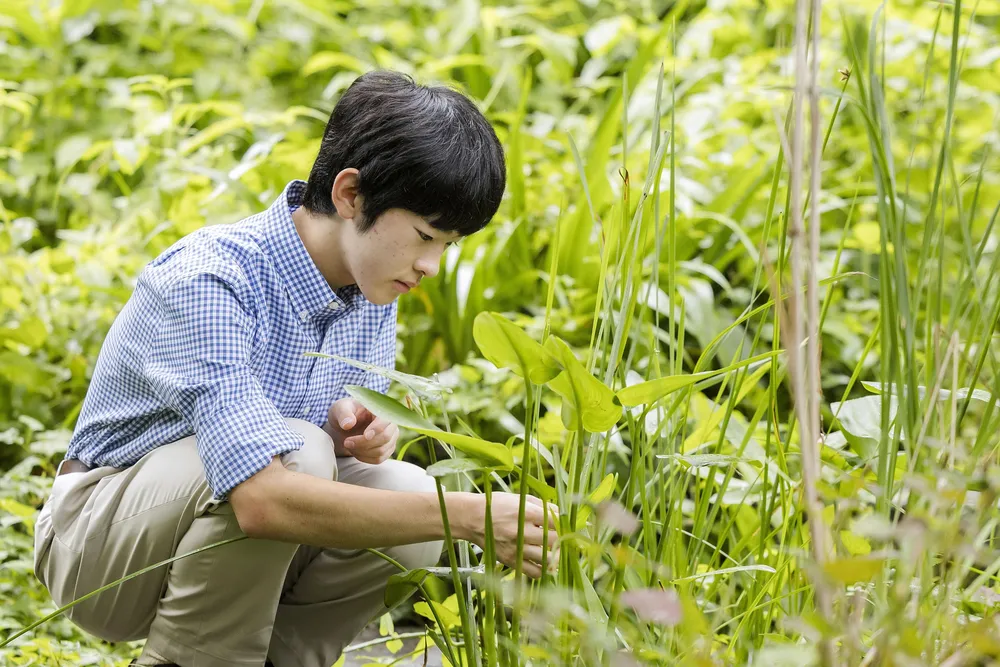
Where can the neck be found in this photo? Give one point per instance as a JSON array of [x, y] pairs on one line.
[[321, 235]]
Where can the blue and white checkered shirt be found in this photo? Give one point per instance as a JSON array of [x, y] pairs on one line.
[[211, 343]]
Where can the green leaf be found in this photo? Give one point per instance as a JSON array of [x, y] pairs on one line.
[[30, 332], [591, 399], [421, 385], [404, 584], [493, 454], [702, 460], [541, 489], [861, 422], [389, 408], [855, 544], [329, 59], [452, 466], [449, 618], [599, 495], [654, 390], [854, 569], [507, 346]]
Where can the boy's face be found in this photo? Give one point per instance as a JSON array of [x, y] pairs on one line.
[[401, 247]]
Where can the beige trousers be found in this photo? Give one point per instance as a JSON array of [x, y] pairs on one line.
[[238, 604]]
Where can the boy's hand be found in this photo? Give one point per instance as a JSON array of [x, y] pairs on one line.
[[357, 432], [504, 513]]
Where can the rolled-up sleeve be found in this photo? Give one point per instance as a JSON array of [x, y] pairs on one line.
[[384, 350], [198, 364]]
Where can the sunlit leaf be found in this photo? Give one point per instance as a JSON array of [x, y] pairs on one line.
[[507, 346], [489, 453], [590, 397]]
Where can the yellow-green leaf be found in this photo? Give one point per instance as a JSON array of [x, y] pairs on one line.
[[507, 346], [593, 402], [599, 495], [854, 569], [329, 59]]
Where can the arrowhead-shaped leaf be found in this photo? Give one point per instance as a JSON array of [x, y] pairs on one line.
[[592, 400], [492, 454], [507, 346]]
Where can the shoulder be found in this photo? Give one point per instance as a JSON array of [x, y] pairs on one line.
[[229, 255]]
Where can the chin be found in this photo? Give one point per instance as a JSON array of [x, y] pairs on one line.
[[379, 299]]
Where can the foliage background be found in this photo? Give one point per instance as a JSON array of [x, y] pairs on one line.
[[126, 125]]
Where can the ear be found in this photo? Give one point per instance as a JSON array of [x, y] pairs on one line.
[[345, 194]]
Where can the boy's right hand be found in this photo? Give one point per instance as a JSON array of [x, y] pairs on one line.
[[504, 511]]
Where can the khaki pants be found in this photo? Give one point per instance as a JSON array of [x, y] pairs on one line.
[[238, 604]]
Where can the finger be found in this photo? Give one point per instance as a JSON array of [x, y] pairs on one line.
[[383, 454], [343, 413], [382, 437], [378, 425], [362, 414], [533, 553], [534, 514], [533, 570], [535, 535]]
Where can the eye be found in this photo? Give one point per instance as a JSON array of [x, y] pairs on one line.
[[425, 237]]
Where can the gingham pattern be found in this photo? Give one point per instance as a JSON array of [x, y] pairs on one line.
[[212, 341]]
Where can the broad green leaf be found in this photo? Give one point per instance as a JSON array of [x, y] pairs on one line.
[[493, 454], [449, 618], [389, 408], [591, 398], [507, 346], [861, 422], [403, 585], [452, 466], [417, 383]]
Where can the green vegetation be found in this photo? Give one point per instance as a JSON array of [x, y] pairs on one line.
[[748, 472]]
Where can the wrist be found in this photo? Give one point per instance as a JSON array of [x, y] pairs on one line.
[[466, 516]]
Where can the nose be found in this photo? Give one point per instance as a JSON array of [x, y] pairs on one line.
[[429, 263]]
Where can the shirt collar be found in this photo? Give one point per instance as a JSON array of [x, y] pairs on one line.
[[310, 293]]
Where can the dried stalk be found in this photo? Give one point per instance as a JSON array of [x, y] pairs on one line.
[[805, 376]]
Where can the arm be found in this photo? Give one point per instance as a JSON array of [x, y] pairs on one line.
[[287, 506]]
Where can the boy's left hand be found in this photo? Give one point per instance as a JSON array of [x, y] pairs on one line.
[[357, 432]]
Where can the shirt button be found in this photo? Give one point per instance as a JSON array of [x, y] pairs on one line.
[[305, 410], [333, 305], [304, 315]]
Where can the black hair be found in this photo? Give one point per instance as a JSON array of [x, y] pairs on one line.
[[425, 149]]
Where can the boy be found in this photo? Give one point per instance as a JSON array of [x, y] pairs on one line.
[[204, 421]]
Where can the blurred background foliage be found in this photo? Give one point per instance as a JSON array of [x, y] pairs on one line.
[[125, 125]]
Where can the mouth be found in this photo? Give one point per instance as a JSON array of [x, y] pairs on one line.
[[401, 286]]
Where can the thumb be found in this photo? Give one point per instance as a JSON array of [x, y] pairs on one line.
[[342, 413]]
